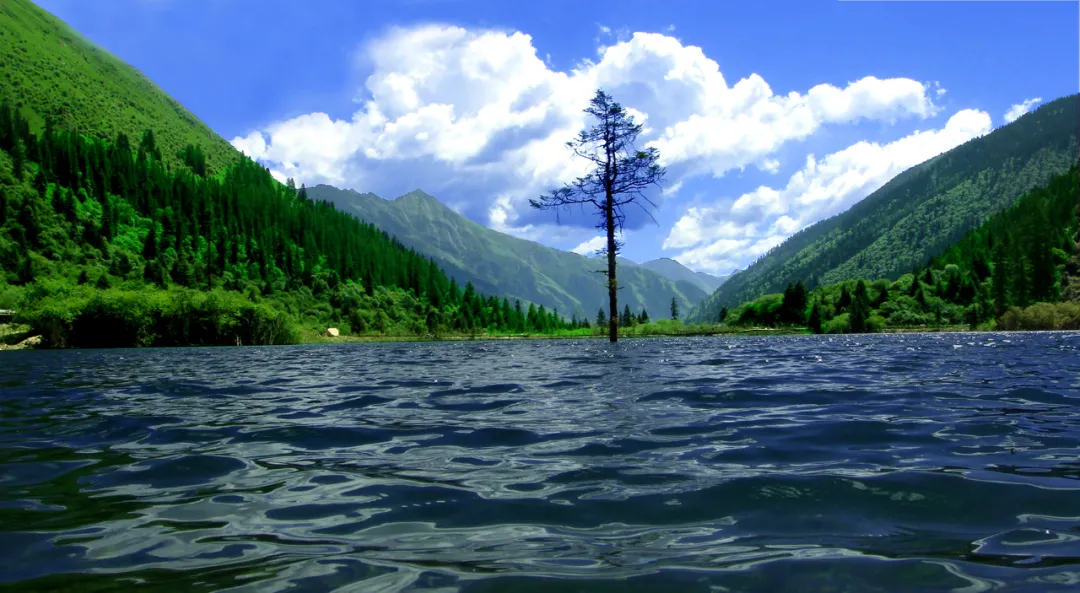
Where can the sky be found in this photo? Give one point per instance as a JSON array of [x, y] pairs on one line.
[[768, 115]]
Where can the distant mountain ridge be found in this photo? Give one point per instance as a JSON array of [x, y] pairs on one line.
[[673, 270], [503, 265], [916, 215]]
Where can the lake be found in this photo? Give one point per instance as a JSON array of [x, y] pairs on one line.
[[933, 462]]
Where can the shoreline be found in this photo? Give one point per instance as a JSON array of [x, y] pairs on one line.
[[28, 341]]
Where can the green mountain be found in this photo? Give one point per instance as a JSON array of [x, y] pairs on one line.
[[170, 236], [675, 271], [1020, 270], [500, 264], [52, 72], [918, 214]]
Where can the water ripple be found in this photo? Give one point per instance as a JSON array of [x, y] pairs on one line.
[[859, 463]]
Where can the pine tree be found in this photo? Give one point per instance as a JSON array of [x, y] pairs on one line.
[[150, 246], [793, 305], [882, 297], [920, 295], [18, 159], [674, 309], [723, 314], [845, 298], [860, 309], [816, 321], [601, 318]]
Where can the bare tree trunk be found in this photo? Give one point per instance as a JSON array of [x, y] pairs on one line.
[[613, 299]]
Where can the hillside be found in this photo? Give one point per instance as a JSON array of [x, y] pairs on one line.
[[106, 241], [918, 214], [1020, 270], [675, 271], [505, 265], [50, 71]]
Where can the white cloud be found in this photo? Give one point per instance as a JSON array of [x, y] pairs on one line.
[[770, 166], [480, 114], [1019, 109], [591, 246], [714, 237]]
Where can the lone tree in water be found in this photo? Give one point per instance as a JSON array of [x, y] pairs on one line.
[[621, 173]]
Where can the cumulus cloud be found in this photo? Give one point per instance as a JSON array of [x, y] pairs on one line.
[[734, 232], [1019, 109], [591, 246], [477, 116]]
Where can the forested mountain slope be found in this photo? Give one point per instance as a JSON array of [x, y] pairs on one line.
[[918, 214], [500, 264], [125, 221], [1018, 270], [102, 245], [51, 71]]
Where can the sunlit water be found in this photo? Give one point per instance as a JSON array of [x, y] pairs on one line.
[[888, 463]]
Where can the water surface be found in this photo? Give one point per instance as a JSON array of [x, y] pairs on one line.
[[946, 462]]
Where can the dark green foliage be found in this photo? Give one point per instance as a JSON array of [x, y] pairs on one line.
[[817, 318], [195, 159], [627, 319], [1027, 246], [601, 318], [1026, 254], [643, 317], [674, 308], [860, 308], [106, 218], [793, 306], [845, 297], [882, 296], [919, 214], [723, 314], [88, 318]]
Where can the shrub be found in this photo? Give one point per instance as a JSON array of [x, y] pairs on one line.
[[838, 324], [1043, 316], [80, 317]]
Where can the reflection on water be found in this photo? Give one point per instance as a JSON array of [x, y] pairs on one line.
[[887, 463]]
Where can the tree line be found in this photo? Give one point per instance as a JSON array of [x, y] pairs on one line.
[[1025, 255], [93, 213]]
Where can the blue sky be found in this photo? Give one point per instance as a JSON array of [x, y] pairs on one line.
[[472, 100]]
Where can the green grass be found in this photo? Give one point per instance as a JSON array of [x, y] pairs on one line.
[[50, 71]]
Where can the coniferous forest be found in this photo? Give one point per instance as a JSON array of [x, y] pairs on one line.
[[103, 242], [1018, 270]]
